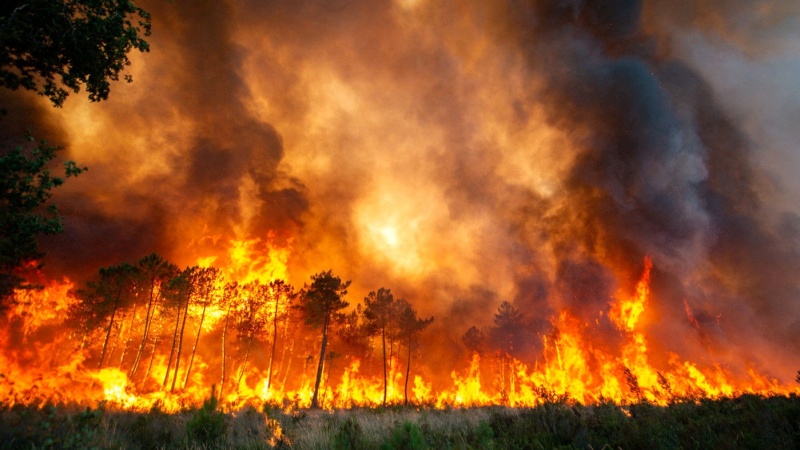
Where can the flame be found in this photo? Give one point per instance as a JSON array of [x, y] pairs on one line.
[[58, 366], [255, 260]]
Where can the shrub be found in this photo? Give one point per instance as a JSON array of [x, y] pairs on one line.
[[349, 435], [406, 436], [207, 425]]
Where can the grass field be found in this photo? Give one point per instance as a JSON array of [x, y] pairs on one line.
[[746, 422]]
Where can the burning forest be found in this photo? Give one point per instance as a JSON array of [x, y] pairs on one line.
[[360, 203]]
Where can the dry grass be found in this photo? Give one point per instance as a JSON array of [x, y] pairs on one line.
[[743, 422]]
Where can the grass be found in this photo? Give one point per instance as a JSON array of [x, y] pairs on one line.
[[748, 421]]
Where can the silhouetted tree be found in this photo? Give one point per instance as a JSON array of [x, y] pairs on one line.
[[380, 319], [351, 333], [508, 333], [154, 272], [507, 336], [103, 299], [251, 318], [25, 185], [177, 295], [206, 292], [475, 340], [280, 294], [321, 302], [52, 47], [409, 326], [231, 295]]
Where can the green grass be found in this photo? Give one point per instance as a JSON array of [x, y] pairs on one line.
[[748, 421]]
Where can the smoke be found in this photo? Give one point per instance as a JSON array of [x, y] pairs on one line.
[[464, 154]]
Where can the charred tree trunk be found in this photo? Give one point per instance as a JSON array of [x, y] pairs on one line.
[[385, 378], [152, 357], [108, 332], [224, 334], [321, 365], [172, 348], [194, 348], [274, 342], [128, 337], [147, 320], [285, 366], [180, 344], [408, 372], [244, 363]]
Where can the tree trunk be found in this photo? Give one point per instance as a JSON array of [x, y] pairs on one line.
[[152, 357], [224, 333], [172, 348], [321, 365], [383, 339], [408, 371], [326, 378], [108, 333], [128, 337], [285, 366], [244, 364], [194, 348], [115, 343], [274, 342], [147, 320], [180, 344]]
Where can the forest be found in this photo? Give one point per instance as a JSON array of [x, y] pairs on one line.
[[133, 315]]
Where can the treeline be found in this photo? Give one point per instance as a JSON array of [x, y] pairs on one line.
[[151, 314]]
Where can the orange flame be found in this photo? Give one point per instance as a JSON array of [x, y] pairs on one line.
[[40, 366]]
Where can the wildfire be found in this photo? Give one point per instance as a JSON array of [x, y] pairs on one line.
[[468, 155], [47, 366]]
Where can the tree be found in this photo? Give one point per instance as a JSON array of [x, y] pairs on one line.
[[154, 272], [102, 300], [186, 283], [206, 292], [321, 302], [380, 319], [507, 336], [352, 334], [475, 340], [230, 297], [115, 289], [52, 47], [251, 318], [409, 326], [178, 295], [280, 294], [25, 185]]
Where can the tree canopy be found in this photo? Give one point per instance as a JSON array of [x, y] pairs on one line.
[[52, 47], [508, 332]]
